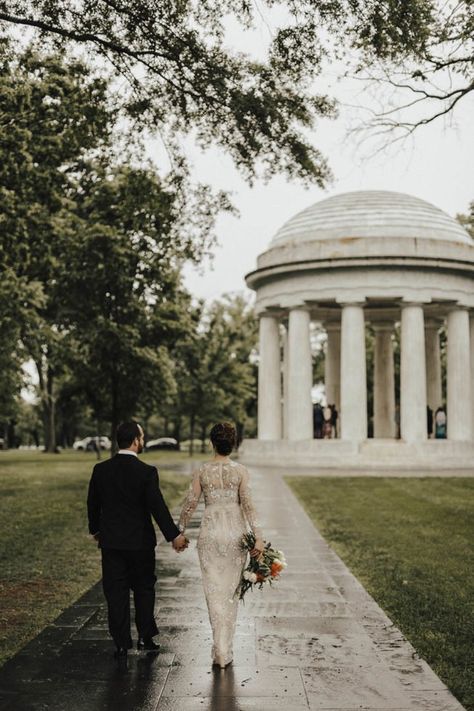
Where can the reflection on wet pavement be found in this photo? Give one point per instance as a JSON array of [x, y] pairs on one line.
[[316, 640]]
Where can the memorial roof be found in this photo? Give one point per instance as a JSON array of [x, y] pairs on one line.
[[370, 213]]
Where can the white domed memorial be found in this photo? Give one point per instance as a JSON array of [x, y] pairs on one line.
[[375, 257]]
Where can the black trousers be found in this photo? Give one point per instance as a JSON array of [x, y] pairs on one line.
[[123, 571]]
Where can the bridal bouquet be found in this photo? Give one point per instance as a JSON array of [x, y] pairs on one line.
[[264, 569]]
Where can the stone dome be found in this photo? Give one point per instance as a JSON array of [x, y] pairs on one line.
[[370, 214]]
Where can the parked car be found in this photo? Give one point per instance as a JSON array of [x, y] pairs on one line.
[[88, 443], [162, 443]]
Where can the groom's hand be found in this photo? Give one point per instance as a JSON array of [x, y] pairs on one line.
[[180, 543]]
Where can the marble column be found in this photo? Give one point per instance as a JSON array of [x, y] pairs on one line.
[[384, 381], [300, 376], [413, 415], [269, 380], [353, 373], [332, 364], [459, 375], [471, 324], [434, 393], [285, 382]]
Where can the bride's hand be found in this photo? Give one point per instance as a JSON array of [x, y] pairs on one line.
[[257, 550]]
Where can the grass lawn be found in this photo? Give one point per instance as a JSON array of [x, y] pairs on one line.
[[47, 559], [411, 543]]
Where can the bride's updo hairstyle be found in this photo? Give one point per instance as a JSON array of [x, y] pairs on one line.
[[223, 438]]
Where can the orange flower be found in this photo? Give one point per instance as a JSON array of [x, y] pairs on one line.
[[275, 569], [260, 578]]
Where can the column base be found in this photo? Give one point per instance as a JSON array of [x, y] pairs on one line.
[[370, 455]]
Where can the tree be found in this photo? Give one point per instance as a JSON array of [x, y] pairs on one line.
[[467, 221], [80, 226], [52, 113], [124, 305], [182, 78], [419, 56], [28, 423], [18, 299], [181, 74], [216, 367]]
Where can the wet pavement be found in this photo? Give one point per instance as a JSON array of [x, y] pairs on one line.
[[316, 640]]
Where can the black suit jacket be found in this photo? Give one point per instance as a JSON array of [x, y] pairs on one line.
[[123, 495]]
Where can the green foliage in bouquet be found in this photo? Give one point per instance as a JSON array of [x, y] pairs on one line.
[[265, 568]]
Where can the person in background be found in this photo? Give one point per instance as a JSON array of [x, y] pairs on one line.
[[334, 417], [440, 423], [327, 425], [318, 421], [429, 415]]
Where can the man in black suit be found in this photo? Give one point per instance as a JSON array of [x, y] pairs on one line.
[[123, 495]]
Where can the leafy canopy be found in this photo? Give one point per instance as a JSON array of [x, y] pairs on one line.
[[182, 76]]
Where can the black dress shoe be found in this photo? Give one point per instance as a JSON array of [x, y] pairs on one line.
[[121, 653], [147, 644]]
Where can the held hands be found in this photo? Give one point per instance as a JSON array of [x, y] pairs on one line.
[[180, 543], [257, 550]]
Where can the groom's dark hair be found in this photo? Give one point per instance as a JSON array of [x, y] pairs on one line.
[[126, 433]]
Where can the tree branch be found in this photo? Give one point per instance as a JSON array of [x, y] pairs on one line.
[[100, 42]]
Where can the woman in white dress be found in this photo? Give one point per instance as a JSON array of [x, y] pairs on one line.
[[229, 508]]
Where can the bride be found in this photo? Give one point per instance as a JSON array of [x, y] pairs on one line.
[[229, 505]]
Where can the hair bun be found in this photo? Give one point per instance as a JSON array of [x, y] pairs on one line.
[[223, 436]]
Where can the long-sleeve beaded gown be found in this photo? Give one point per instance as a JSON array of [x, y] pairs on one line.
[[228, 510]]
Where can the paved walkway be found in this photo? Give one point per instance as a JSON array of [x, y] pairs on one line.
[[316, 641]]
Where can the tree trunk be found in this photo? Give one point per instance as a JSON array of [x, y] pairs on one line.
[[113, 433], [114, 423], [177, 429], [192, 424], [50, 414], [10, 438], [240, 434], [48, 404], [203, 438], [98, 440], [144, 425]]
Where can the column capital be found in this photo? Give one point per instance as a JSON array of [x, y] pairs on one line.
[[460, 307], [405, 301], [270, 313], [348, 301], [298, 307], [384, 325]]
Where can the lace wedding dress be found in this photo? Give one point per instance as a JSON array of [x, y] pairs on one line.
[[229, 508]]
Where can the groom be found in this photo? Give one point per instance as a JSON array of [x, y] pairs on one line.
[[123, 492]]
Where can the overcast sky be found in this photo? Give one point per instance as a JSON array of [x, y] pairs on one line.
[[436, 165]]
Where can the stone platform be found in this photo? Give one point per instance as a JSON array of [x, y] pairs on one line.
[[316, 640], [370, 455]]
